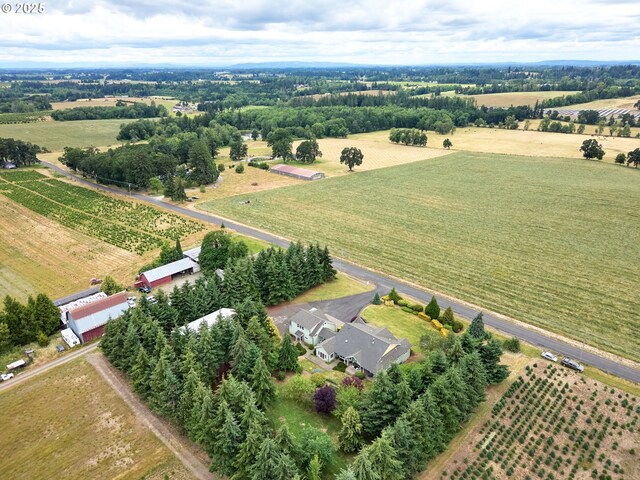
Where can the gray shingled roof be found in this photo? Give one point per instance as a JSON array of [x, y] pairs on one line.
[[373, 348], [326, 333], [308, 320]]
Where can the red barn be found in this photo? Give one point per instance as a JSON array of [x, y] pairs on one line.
[[166, 273], [88, 321]]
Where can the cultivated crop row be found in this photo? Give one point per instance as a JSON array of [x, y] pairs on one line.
[[549, 425], [97, 215]]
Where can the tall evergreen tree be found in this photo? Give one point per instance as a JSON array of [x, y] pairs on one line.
[[253, 418], [247, 454], [240, 282], [201, 160], [475, 376], [140, 373], [244, 369], [204, 431], [476, 329], [350, 437], [286, 442], [262, 384], [272, 464], [288, 356], [257, 333], [227, 442], [187, 396], [46, 315], [490, 354], [363, 469], [130, 348], [313, 270], [345, 474], [379, 406], [384, 460], [165, 390], [434, 433], [405, 443], [438, 362], [455, 352], [450, 410], [328, 272]]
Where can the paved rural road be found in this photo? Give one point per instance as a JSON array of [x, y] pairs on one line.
[[384, 284], [18, 379], [178, 444]]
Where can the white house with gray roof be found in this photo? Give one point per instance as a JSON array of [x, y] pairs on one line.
[[313, 326], [367, 348]]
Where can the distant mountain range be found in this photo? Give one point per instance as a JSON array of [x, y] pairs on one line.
[[9, 65]]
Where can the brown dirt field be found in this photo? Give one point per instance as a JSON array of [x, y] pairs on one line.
[[40, 255], [374, 93], [581, 408], [513, 142]]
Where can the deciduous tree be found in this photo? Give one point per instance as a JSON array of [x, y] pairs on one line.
[[351, 156]]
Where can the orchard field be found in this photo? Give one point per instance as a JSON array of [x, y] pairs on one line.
[[552, 424], [548, 241]]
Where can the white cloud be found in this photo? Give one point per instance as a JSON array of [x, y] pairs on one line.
[[360, 31]]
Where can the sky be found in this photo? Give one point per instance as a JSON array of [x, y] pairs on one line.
[[390, 32]]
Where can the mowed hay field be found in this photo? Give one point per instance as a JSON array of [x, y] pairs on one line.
[[57, 135], [548, 241], [377, 153], [40, 255], [68, 423], [111, 102], [510, 142]]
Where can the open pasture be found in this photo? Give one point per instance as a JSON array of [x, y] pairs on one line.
[[57, 135], [69, 423], [551, 424], [377, 154], [545, 240], [512, 142], [508, 99], [621, 102]]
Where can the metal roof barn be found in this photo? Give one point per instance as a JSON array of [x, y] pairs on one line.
[[77, 296], [88, 321], [296, 172], [166, 273]]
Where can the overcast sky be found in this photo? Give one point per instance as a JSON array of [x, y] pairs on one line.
[[219, 32]]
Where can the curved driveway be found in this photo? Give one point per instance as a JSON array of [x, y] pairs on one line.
[[385, 284]]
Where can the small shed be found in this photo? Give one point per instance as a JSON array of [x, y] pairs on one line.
[[166, 273], [296, 172]]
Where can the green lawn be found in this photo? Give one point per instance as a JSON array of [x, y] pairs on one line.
[[549, 241], [400, 323], [297, 417], [57, 135], [342, 286], [255, 245]]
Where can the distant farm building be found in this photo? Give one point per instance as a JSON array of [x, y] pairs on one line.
[[209, 320], [296, 172], [76, 296], [88, 321], [166, 273]]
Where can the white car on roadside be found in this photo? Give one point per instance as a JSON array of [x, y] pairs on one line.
[[6, 376], [549, 356]]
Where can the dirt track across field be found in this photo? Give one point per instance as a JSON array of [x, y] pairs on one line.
[[187, 452]]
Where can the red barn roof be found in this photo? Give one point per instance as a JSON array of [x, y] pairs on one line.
[[98, 306], [295, 171]]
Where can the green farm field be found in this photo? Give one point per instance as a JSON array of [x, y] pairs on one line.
[[549, 241], [57, 135]]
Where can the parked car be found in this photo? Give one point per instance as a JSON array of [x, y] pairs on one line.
[[549, 356], [144, 288], [572, 364], [6, 376]]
